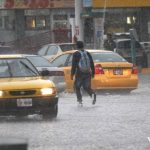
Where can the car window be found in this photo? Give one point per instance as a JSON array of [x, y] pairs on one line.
[[124, 44], [66, 47], [107, 57], [16, 68], [43, 50], [39, 61], [127, 44], [4, 69], [60, 61], [52, 50]]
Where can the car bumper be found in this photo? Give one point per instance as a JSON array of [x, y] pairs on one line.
[[11, 107], [115, 83]]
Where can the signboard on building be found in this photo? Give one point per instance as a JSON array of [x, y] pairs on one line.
[[118, 3], [87, 3], [23, 4]]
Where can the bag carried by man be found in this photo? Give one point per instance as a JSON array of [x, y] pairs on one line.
[[84, 62]]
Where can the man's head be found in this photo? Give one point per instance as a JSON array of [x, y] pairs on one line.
[[80, 45]]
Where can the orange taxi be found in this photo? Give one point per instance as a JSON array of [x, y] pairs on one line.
[[112, 71]]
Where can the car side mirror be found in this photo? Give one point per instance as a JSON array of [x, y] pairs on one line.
[[44, 73]]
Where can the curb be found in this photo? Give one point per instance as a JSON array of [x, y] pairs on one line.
[[145, 71]]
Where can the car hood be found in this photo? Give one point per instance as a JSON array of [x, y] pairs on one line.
[[24, 83]]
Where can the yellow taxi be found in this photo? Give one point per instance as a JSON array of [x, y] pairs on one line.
[[112, 72], [23, 90]]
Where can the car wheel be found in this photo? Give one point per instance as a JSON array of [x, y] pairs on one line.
[[51, 113], [54, 111]]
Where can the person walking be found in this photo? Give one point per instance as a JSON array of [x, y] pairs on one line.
[[83, 71], [109, 43]]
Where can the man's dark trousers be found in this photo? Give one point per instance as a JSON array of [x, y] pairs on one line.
[[83, 80]]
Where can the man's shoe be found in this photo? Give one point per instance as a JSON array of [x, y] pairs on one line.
[[93, 98], [80, 102]]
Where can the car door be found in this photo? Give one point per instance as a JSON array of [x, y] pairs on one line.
[[67, 73]]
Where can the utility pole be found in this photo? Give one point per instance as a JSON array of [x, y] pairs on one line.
[[78, 20], [104, 17], [134, 38]]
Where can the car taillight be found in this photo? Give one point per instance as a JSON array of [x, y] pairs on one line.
[[134, 69], [99, 69]]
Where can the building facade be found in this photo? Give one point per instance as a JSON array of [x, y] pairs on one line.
[[120, 16], [36, 22]]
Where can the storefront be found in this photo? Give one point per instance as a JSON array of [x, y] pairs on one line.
[[24, 18], [120, 16]]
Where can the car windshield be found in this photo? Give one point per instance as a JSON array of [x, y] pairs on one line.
[[39, 61], [66, 47], [107, 57], [17, 68]]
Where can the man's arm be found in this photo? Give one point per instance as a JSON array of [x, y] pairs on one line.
[[92, 65], [74, 65]]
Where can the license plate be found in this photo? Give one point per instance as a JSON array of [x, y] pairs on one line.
[[24, 102], [118, 72]]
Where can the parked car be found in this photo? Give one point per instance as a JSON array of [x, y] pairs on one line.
[[112, 71], [121, 35], [123, 48], [22, 89], [50, 50], [54, 73], [146, 46]]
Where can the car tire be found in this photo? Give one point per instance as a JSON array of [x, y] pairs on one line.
[[51, 113]]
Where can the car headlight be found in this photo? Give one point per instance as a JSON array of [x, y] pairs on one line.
[[47, 91], [1, 93]]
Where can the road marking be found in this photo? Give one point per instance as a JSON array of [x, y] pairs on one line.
[[148, 139]]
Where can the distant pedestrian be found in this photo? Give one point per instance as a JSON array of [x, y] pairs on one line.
[[83, 71], [109, 43], [75, 39]]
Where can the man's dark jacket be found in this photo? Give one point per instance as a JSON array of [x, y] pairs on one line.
[[75, 61]]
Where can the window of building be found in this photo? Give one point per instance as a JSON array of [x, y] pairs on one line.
[[37, 22], [7, 18], [1, 23], [40, 22], [30, 22], [6, 23], [60, 21], [59, 17]]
